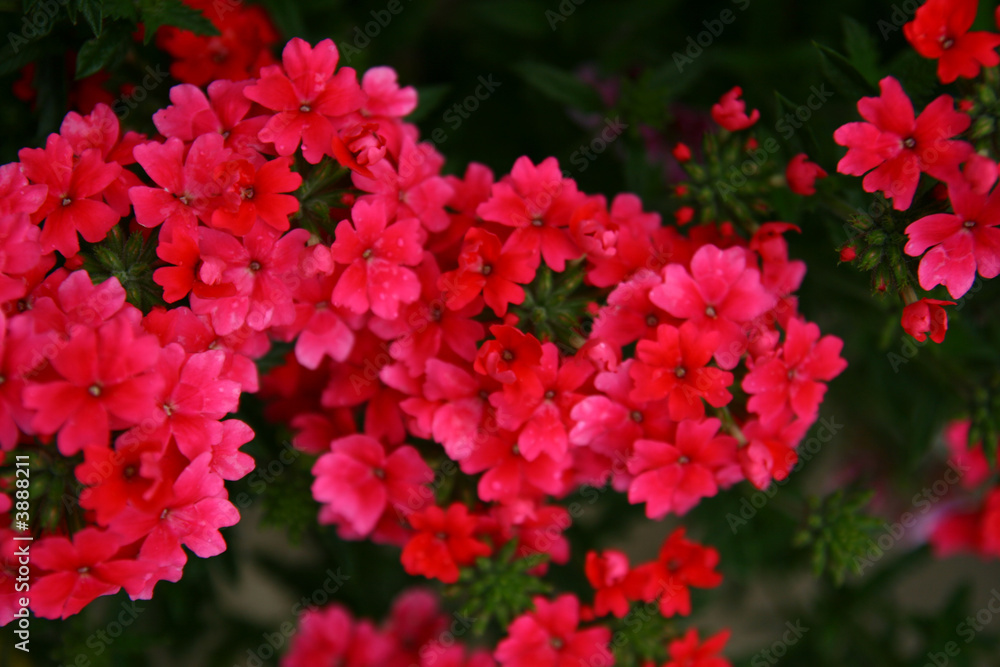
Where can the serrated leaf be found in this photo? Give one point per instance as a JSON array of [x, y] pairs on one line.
[[93, 13], [159, 13], [559, 85], [120, 9], [862, 50], [102, 52]]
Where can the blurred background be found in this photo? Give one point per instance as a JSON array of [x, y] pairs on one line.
[[499, 79]]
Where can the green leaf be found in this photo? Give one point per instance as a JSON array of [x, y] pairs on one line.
[[842, 74], [862, 50], [120, 9], [93, 12], [103, 52], [158, 13], [559, 85]]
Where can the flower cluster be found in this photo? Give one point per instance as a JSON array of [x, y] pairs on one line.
[[466, 351], [131, 405], [894, 146]]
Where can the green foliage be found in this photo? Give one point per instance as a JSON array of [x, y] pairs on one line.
[[838, 531], [499, 588], [158, 13], [556, 309], [131, 258]]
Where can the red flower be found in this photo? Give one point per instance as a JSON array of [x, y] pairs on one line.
[[893, 147], [802, 174], [681, 152], [443, 543], [73, 203], [307, 96], [540, 409], [687, 652], [548, 637], [940, 29], [792, 377], [674, 367], [681, 564], [539, 203], [615, 584], [730, 111], [484, 268], [261, 192], [924, 316], [961, 242], [238, 52], [135, 472], [512, 356], [376, 254], [360, 482], [674, 477]]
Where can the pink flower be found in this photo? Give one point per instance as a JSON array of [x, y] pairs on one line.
[[548, 637], [100, 129], [792, 377], [770, 450], [328, 636], [801, 175], [415, 189], [253, 278], [673, 367], [192, 516], [222, 112], [78, 571], [960, 243], [730, 111], [893, 147], [307, 96], [940, 29], [359, 481], [376, 254], [538, 202], [188, 187], [674, 477], [73, 204], [194, 396], [104, 382], [925, 316], [16, 194], [721, 294]]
